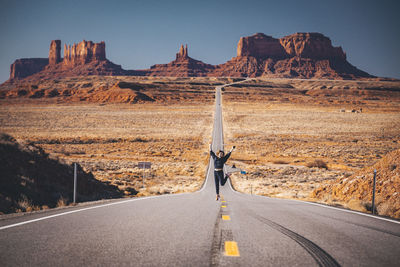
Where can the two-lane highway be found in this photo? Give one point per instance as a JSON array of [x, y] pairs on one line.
[[195, 230]]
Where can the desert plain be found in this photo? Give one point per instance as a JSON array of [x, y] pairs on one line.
[[292, 136]]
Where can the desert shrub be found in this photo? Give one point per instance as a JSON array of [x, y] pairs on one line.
[[22, 92], [37, 94], [280, 162], [86, 85], [53, 93], [62, 202], [25, 204], [318, 163], [139, 140]]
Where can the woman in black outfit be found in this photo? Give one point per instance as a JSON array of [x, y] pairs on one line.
[[219, 162]]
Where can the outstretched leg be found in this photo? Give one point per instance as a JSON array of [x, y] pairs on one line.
[[224, 179]]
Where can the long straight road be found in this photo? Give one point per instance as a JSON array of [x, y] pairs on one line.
[[195, 230]]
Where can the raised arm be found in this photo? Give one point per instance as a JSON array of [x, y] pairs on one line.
[[226, 157], [212, 152]]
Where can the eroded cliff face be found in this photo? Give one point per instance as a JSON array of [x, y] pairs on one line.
[[182, 66], [300, 55], [84, 58], [311, 45], [25, 67], [55, 52], [84, 52], [260, 46]]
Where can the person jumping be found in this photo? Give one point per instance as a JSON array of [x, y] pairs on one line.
[[219, 161]]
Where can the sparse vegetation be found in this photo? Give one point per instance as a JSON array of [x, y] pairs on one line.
[[318, 163], [280, 126]]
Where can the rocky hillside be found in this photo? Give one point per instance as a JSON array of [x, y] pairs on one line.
[[31, 180], [300, 55], [356, 191]]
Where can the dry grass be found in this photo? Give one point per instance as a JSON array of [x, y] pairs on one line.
[[318, 163], [292, 135], [62, 202], [109, 141], [289, 150]]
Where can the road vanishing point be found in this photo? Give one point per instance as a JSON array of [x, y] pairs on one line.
[[193, 229]]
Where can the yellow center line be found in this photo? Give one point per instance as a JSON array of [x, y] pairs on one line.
[[223, 206], [231, 249], [223, 201], [226, 218]]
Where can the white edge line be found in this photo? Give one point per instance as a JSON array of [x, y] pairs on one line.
[[109, 204], [346, 210], [321, 205], [79, 210], [318, 204]]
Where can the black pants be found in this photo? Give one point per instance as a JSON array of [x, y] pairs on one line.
[[219, 178]]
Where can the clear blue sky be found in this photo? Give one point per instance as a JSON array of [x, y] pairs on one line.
[[141, 33]]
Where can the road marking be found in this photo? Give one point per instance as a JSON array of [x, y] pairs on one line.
[[231, 249], [83, 209], [223, 206], [223, 201], [226, 218], [209, 172], [321, 205]]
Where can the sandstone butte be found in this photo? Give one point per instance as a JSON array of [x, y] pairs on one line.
[[300, 55]]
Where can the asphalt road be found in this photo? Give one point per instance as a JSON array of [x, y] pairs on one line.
[[195, 230]]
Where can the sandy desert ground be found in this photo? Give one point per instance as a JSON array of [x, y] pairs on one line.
[[289, 150], [110, 140], [292, 135]]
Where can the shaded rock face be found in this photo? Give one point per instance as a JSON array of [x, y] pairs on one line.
[[260, 46], [25, 67]]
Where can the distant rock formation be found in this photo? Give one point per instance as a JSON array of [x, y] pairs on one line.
[[84, 52], [182, 66], [55, 52], [311, 45], [25, 67], [260, 46], [84, 58], [183, 53], [300, 55]]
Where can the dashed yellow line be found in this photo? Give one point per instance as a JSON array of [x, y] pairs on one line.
[[223, 201], [223, 206], [231, 249], [226, 218]]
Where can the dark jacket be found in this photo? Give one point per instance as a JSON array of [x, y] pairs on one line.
[[219, 162]]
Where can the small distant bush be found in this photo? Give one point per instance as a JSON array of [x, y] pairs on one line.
[[280, 162], [139, 140], [318, 163], [62, 202]]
